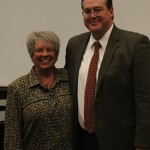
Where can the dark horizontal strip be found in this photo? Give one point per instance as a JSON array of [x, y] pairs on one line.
[[2, 108]]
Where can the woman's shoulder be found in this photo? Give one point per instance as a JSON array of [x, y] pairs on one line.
[[19, 82]]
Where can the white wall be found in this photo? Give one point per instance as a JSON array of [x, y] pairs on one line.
[[19, 18]]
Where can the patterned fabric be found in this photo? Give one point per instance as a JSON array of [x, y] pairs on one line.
[[89, 109], [38, 118]]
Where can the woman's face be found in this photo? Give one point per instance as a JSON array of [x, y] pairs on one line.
[[44, 55]]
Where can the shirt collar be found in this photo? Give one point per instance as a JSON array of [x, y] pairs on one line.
[[60, 75], [33, 78]]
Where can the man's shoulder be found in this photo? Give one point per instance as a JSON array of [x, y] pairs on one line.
[[128, 33], [129, 37]]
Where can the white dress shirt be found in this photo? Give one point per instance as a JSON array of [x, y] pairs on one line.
[[83, 70]]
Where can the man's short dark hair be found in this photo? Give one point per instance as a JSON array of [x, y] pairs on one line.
[[109, 4]]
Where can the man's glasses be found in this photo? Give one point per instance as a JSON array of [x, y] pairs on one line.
[[88, 12]]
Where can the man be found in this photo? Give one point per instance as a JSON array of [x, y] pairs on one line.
[[122, 94]]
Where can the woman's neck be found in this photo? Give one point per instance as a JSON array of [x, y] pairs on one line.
[[46, 76]]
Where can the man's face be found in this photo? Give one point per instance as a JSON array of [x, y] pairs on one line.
[[97, 17]]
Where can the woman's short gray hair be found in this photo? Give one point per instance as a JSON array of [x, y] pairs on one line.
[[47, 36]]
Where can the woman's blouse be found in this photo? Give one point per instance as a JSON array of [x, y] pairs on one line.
[[38, 118]]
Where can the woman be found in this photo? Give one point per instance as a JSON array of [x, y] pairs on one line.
[[39, 104]]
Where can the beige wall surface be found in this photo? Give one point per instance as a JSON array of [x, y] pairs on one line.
[[19, 18]]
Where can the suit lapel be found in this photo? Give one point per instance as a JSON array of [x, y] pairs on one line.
[[79, 52], [108, 56]]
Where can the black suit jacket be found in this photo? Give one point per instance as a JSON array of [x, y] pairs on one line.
[[123, 93]]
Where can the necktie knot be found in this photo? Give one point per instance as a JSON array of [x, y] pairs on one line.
[[97, 45]]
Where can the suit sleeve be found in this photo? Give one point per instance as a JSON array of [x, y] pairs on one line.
[[141, 78]]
